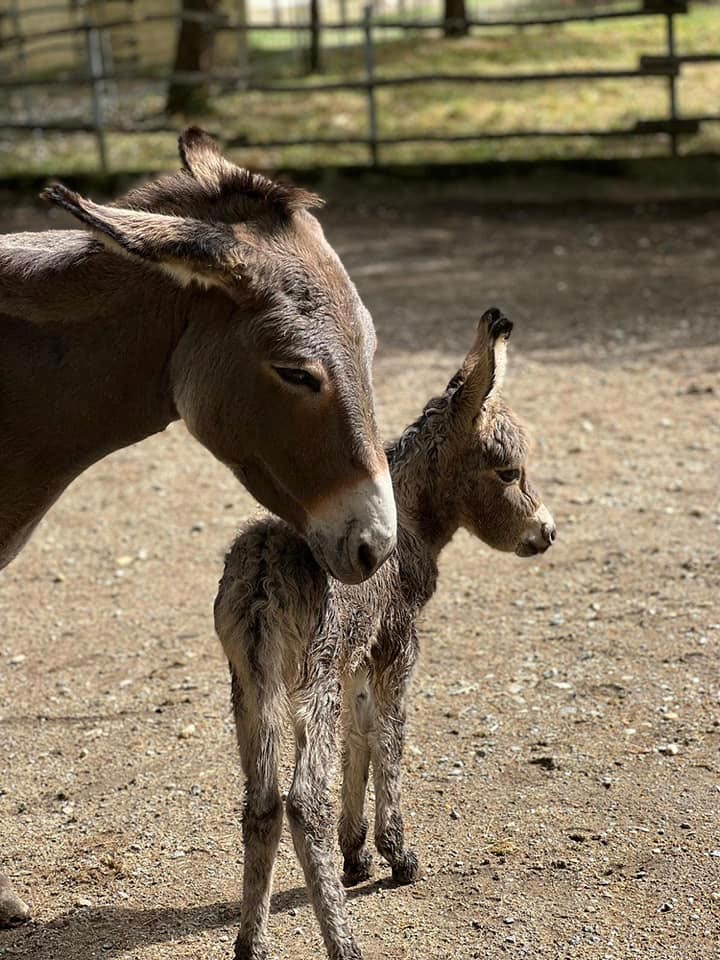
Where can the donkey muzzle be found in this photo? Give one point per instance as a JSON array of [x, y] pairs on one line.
[[539, 535], [356, 533]]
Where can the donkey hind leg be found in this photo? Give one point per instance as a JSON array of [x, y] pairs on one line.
[[12, 909], [257, 723], [310, 813], [386, 745], [353, 825]]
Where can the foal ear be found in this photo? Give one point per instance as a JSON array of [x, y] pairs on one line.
[[184, 248], [483, 370], [202, 159]]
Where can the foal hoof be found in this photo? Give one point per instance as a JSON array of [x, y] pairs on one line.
[[357, 871], [406, 870], [13, 910], [246, 951]]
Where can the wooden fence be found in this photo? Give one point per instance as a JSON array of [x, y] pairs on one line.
[[103, 70]]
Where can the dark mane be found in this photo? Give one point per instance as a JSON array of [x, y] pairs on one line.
[[426, 434], [241, 195]]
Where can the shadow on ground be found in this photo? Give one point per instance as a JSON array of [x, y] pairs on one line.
[[109, 931]]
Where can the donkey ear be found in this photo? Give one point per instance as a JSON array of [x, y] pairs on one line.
[[202, 159], [483, 371], [184, 248]]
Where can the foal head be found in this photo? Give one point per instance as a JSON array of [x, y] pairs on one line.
[[497, 501], [482, 460], [273, 369]]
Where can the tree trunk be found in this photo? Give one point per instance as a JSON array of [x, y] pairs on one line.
[[314, 53], [455, 19], [193, 54], [243, 48]]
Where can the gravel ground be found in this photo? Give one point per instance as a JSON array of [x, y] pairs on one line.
[[562, 774]]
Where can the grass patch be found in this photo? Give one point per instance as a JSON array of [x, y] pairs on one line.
[[454, 109]]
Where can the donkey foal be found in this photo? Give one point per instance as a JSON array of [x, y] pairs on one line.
[[296, 638]]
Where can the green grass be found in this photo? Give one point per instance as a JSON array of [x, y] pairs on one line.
[[456, 109]]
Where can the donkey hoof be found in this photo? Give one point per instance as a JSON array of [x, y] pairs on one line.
[[357, 871], [12, 909], [250, 951], [407, 869]]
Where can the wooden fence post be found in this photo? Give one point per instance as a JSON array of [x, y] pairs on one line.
[[370, 83], [93, 42], [672, 79]]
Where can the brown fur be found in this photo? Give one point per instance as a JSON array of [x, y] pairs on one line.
[[294, 638], [188, 300]]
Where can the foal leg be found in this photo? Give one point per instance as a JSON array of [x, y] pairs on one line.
[[353, 825], [257, 722], [310, 813], [390, 681], [12, 909]]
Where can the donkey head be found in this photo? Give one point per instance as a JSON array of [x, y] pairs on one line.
[[497, 501], [272, 371]]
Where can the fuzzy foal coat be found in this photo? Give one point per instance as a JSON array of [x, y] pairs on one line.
[[297, 639]]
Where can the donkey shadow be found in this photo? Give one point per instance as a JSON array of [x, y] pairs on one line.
[[85, 934]]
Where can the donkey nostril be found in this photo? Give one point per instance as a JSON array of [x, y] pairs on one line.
[[549, 533], [366, 558]]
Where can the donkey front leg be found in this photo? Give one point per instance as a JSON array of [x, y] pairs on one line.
[[310, 813], [258, 734], [353, 825], [389, 683], [13, 910]]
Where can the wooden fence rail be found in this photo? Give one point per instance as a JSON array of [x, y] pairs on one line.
[[99, 74]]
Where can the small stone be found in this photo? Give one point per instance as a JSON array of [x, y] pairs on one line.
[[665, 908], [17, 660], [547, 763], [83, 902], [187, 732], [454, 815], [668, 749], [58, 577], [124, 561], [197, 527], [509, 920]]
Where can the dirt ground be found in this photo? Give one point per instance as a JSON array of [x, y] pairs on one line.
[[562, 772]]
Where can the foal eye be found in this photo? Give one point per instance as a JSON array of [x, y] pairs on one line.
[[508, 476], [298, 378]]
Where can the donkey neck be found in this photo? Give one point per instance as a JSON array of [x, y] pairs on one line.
[[425, 489], [87, 338]]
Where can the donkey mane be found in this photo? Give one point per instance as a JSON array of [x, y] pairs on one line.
[[426, 434], [235, 195]]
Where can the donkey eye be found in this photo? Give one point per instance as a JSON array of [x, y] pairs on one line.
[[298, 378], [508, 476]]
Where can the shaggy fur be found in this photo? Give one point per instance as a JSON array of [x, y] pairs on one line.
[[297, 639]]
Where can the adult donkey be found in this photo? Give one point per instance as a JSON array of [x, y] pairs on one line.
[[210, 295]]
